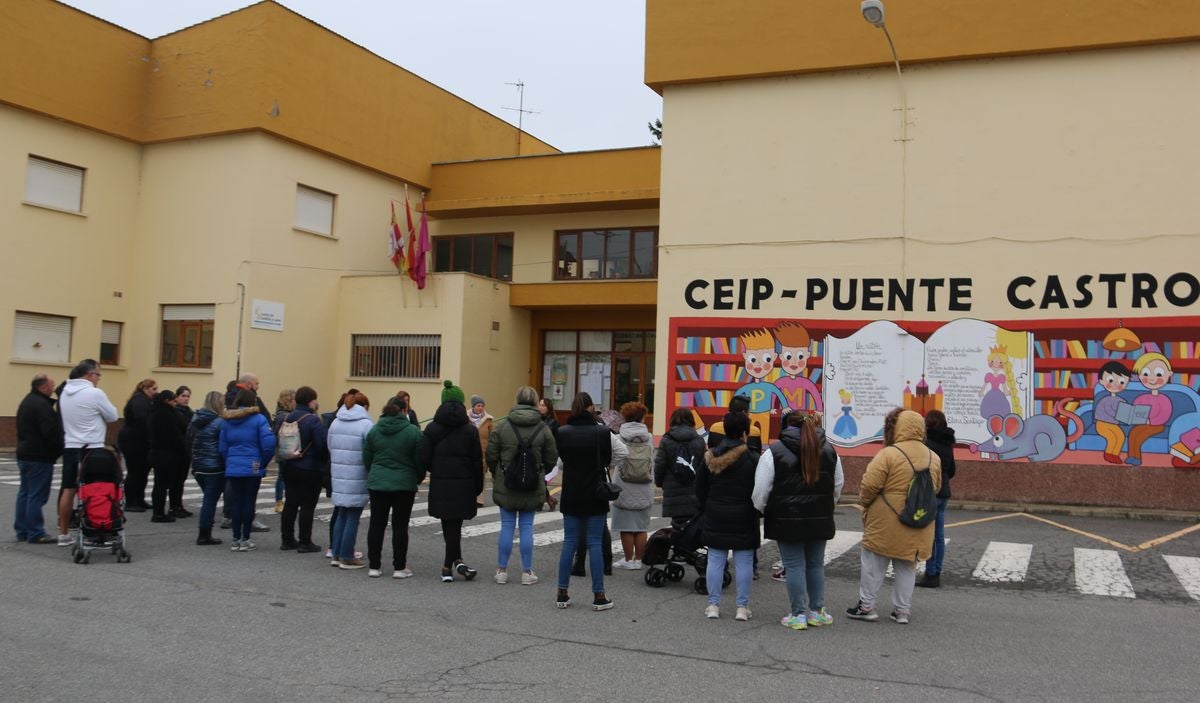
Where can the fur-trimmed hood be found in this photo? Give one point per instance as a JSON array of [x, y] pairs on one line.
[[236, 414], [724, 455]]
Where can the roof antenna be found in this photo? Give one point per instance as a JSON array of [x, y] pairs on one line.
[[520, 110]]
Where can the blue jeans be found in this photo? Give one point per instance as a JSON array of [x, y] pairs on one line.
[[589, 529], [240, 494], [805, 564], [743, 563], [509, 520], [31, 496], [934, 566], [212, 485], [345, 533], [279, 486]]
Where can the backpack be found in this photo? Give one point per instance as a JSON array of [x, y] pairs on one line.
[[639, 465], [683, 464], [101, 502], [920, 505], [287, 446], [523, 472]]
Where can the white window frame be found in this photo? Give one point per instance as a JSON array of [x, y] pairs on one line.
[[40, 337], [195, 317], [54, 185], [111, 332], [314, 210]]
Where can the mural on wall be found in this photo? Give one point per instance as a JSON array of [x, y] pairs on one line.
[[1068, 391]]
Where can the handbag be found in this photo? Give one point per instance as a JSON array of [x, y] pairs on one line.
[[605, 490]]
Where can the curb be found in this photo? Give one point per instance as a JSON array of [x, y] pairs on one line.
[[1098, 511]]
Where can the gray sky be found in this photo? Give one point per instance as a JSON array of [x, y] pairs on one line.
[[581, 61]]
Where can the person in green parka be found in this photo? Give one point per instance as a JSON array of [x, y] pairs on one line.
[[393, 474], [517, 505]]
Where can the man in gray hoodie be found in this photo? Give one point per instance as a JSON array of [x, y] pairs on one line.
[[86, 412]]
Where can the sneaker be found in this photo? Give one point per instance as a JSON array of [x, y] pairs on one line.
[[374, 573], [44, 539], [279, 506], [930, 581], [226, 523], [65, 540], [637, 564], [819, 618], [402, 573], [466, 572], [712, 612], [743, 614], [622, 564], [335, 562], [796, 622], [899, 616], [780, 575], [447, 575], [247, 546], [501, 577], [351, 564], [562, 601], [259, 526], [309, 548], [235, 545], [329, 553], [858, 612], [602, 603], [288, 545], [528, 578]]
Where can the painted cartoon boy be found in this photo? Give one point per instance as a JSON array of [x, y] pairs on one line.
[[1154, 371], [1113, 377], [758, 358], [793, 359]]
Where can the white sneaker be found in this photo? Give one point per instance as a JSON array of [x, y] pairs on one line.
[[743, 614], [635, 565], [402, 574], [621, 564], [374, 573], [335, 562], [328, 553], [501, 577], [247, 546], [712, 612], [65, 540], [528, 578], [235, 546]]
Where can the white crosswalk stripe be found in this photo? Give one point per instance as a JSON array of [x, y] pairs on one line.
[[1187, 570], [1004, 562], [842, 542], [1099, 572], [891, 572]]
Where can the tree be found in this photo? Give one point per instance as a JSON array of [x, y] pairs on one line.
[[655, 128]]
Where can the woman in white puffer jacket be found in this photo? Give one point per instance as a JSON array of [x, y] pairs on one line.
[[349, 477]]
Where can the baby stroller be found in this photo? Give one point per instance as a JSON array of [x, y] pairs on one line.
[[663, 548], [100, 507]]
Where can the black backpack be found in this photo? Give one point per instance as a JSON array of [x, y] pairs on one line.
[[523, 473], [683, 464], [920, 505]]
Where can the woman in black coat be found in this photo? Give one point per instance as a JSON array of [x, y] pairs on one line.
[[450, 449], [168, 454], [134, 443], [585, 449], [724, 489], [678, 482], [940, 438]]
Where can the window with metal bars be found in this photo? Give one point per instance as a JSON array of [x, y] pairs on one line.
[[396, 355]]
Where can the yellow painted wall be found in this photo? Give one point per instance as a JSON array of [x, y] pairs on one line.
[[691, 41], [66, 264], [1014, 166]]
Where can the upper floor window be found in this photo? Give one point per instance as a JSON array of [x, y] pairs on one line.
[[54, 184], [488, 255], [594, 254], [110, 343], [39, 337], [314, 210], [187, 336]]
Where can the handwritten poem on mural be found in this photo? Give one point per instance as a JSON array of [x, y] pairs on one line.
[[956, 369]]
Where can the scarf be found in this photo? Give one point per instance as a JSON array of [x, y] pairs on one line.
[[479, 419]]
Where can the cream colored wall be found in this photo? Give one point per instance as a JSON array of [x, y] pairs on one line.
[[492, 367], [533, 235], [66, 264], [1068, 164]]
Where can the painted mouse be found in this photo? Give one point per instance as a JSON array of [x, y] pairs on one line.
[[1038, 438]]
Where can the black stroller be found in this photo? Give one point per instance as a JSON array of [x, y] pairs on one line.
[[668, 560]]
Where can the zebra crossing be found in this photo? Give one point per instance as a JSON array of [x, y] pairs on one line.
[[1093, 572]]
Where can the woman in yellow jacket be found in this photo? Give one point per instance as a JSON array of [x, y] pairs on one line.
[[882, 494]]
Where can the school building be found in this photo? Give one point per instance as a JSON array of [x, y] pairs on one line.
[[999, 231]]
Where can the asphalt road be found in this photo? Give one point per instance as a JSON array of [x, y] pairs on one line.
[[189, 623]]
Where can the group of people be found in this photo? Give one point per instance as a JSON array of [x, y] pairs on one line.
[[728, 483]]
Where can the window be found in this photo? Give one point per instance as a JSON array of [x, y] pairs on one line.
[[53, 184], [613, 367], [110, 343], [187, 336], [42, 338], [488, 255], [314, 210], [396, 355], [606, 254]]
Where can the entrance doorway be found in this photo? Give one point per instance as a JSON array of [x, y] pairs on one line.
[[613, 367]]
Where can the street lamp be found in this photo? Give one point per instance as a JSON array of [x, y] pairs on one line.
[[872, 11]]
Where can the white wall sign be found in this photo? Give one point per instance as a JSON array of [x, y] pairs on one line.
[[266, 315]]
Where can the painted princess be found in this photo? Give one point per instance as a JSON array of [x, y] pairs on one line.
[[846, 426], [996, 391]]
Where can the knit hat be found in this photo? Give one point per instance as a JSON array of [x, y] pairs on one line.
[[452, 392], [477, 400]]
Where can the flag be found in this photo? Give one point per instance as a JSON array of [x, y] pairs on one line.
[[396, 242], [422, 249], [410, 240]]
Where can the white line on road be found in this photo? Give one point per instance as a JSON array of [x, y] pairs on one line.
[[920, 566], [841, 543], [488, 528], [1187, 570], [1004, 562], [1099, 572]]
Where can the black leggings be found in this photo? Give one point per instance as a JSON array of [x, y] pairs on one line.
[[452, 534], [137, 470], [399, 505], [166, 472], [302, 490]]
